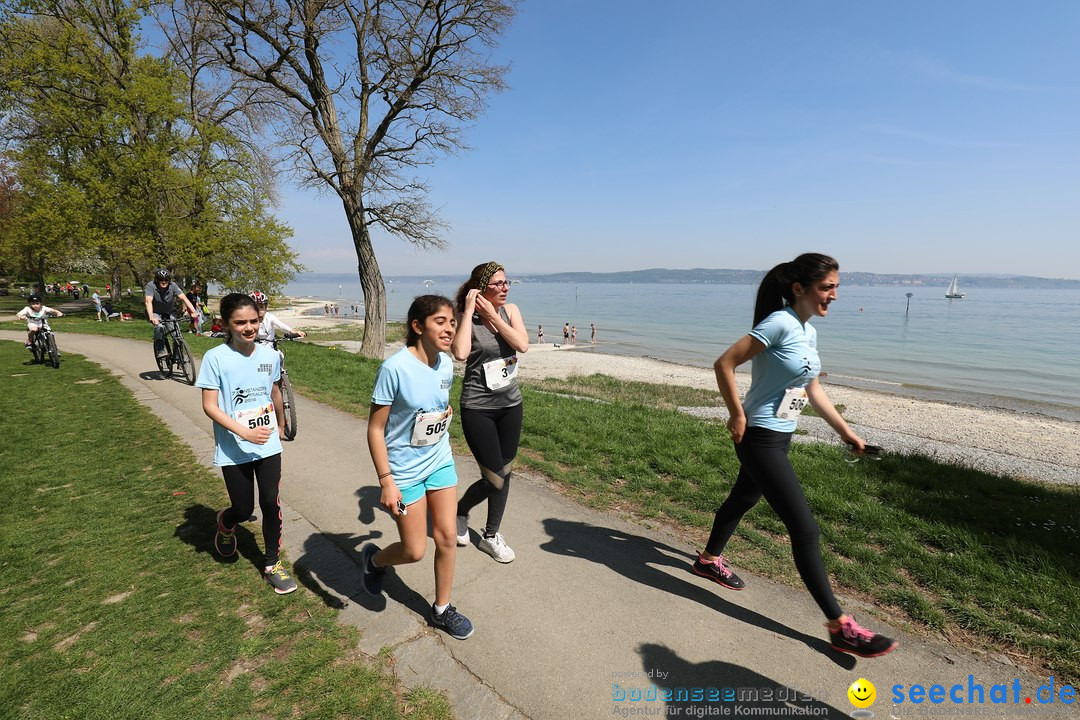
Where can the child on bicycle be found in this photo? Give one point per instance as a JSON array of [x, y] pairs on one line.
[[34, 314], [240, 394], [268, 321], [410, 447]]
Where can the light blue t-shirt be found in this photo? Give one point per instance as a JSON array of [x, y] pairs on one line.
[[789, 359], [243, 384], [410, 387]]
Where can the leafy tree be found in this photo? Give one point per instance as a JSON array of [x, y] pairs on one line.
[[366, 91]]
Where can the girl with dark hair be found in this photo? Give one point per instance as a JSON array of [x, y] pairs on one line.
[[491, 333], [240, 394], [410, 447], [783, 348]]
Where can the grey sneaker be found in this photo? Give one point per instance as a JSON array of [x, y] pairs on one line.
[[280, 580], [497, 548], [462, 530], [371, 577], [454, 623], [224, 539]]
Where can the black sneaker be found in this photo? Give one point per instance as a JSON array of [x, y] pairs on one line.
[[718, 571], [279, 579], [853, 638], [224, 539], [371, 577], [454, 623]]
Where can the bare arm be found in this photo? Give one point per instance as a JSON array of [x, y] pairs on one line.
[[462, 343], [380, 457], [259, 436], [824, 407], [150, 309], [190, 308], [514, 333], [742, 351]]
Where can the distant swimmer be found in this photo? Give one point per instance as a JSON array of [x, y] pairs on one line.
[[592, 331], [540, 334], [783, 348], [491, 334]]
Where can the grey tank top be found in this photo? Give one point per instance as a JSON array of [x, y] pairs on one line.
[[487, 346]]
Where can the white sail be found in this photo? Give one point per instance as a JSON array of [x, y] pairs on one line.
[[954, 289]]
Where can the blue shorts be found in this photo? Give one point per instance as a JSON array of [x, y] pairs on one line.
[[444, 477]]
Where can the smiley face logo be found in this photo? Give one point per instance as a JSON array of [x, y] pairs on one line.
[[862, 693]]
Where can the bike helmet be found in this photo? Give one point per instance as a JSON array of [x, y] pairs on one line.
[[259, 298], [33, 299], [162, 274]]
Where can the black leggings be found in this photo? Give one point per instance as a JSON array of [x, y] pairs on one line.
[[238, 481], [493, 437], [766, 470]]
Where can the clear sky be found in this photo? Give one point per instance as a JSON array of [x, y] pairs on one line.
[[900, 137]]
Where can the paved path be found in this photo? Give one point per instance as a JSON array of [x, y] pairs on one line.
[[593, 606]]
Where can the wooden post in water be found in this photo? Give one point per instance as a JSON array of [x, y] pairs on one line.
[[908, 309]]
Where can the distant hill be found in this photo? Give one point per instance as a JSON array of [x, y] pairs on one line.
[[725, 276]]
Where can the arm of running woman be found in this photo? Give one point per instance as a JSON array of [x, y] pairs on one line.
[[380, 457], [724, 367], [461, 345], [821, 403], [258, 436], [279, 409], [514, 332]]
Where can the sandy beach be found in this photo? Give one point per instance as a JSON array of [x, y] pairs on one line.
[[1019, 445]]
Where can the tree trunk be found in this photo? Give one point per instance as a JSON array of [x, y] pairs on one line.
[[371, 281], [114, 291]]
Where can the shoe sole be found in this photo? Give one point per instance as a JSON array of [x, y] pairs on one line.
[[850, 651], [217, 533], [364, 560], [463, 541], [714, 579], [456, 637], [282, 592]]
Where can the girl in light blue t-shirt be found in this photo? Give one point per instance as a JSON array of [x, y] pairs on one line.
[[409, 439], [783, 348], [240, 394]]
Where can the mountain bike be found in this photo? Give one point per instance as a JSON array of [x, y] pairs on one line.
[[177, 355], [288, 404], [44, 346]]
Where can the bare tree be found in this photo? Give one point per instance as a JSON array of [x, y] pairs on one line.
[[368, 91]]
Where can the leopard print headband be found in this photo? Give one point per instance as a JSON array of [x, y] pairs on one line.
[[485, 277]]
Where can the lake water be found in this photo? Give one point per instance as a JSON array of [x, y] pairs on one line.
[[1012, 348]]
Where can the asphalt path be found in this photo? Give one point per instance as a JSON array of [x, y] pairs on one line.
[[594, 610]]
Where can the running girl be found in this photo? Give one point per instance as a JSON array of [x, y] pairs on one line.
[[490, 335], [240, 394], [783, 348], [410, 447]]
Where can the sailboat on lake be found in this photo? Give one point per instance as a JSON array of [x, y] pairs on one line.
[[954, 290]]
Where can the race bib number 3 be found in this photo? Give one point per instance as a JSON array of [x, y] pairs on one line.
[[792, 405], [428, 428], [500, 373], [258, 417]]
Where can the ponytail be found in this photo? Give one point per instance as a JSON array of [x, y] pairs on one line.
[[775, 291]]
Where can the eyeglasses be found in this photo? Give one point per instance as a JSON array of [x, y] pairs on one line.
[[501, 284]]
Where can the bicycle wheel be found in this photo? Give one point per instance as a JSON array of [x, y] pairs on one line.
[[185, 362], [169, 358], [54, 352], [290, 406], [38, 351], [162, 360]]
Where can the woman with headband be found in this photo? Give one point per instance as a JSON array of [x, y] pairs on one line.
[[490, 335]]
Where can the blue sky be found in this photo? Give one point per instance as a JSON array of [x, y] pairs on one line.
[[897, 136]]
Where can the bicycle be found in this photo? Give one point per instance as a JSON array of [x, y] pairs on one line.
[[177, 354], [288, 404], [44, 346]]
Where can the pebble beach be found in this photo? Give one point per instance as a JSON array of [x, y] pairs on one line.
[[1020, 445]]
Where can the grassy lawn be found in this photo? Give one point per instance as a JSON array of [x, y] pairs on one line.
[[985, 560], [112, 603]]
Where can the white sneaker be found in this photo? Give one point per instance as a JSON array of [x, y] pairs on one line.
[[462, 530], [497, 548]]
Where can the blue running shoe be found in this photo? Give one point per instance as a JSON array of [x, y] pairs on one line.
[[454, 623]]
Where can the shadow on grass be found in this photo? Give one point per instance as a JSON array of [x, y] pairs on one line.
[[638, 558], [725, 686], [198, 528]]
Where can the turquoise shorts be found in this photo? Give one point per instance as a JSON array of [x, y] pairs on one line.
[[444, 477]]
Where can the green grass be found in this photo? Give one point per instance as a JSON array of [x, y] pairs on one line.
[[352, 331], [984, 559], [112, 604]]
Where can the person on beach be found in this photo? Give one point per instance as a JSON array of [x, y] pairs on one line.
[[490, 335], [783, 348], [592, 333], [540, 334], [240, 394], [410, 447], [573, 334], [566, 333]]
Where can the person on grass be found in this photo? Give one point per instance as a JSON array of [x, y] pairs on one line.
[[410, 447], [490, 335], [240, 394], [784, 378], [35, 314]]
